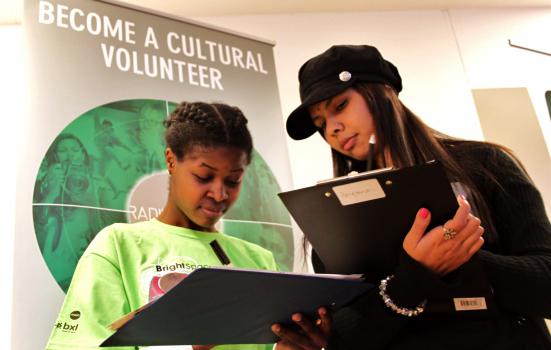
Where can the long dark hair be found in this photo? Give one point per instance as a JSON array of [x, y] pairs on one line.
[[408, 141], [207, 125]]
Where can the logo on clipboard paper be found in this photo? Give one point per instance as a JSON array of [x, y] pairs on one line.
[[358, 192]]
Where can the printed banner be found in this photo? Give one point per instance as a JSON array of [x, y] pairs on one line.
[[102, 79]]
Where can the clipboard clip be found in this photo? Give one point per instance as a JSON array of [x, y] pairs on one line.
[[354, 174]]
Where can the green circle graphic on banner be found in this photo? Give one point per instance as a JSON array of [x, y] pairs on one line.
[[107, 166]]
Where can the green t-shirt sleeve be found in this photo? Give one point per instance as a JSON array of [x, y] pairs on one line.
[[272, 265], [95, 298]]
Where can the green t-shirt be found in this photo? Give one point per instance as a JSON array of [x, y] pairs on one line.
[[122, 269]]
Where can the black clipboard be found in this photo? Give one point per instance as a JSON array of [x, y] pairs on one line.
[[357, 223], [233, 306]]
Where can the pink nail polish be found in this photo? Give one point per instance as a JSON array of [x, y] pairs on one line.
[[424, 213]]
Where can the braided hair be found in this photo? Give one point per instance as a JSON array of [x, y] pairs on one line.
[[207, 125]]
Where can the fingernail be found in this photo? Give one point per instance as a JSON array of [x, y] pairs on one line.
[[297, 317], [323, 311], [318, 322], [276, 328], [424, 213]]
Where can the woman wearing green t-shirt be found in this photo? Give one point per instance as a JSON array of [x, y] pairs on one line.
[[208, 150]]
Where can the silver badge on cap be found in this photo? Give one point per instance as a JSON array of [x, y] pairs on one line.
[[345, 75]]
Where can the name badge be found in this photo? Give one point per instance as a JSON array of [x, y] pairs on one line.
[[469, 304], [358, 192]]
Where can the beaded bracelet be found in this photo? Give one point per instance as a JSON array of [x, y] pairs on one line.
[[399, 310]]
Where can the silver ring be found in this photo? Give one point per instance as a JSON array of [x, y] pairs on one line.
[[449, 233]]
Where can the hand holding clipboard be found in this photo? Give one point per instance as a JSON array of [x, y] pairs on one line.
[[357, 224]]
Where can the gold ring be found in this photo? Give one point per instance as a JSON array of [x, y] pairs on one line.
[[449, 233]]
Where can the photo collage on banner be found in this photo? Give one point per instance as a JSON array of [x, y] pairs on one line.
[[102, 78], [102, 169]]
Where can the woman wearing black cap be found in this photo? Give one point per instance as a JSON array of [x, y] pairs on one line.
[[349, 95]]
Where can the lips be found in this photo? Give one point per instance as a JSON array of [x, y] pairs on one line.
[[213, 210], [348, 143]]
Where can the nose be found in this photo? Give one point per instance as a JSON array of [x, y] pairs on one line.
[[333, 126], [218, 192]]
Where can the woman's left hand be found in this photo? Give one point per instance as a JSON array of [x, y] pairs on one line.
[[441, 254], [310, 336]]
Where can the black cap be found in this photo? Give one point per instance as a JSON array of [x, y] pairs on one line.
[[332, 72]]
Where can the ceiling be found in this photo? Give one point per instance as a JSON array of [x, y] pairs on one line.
[[11, 10]]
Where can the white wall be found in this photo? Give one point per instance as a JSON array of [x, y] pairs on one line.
[[11, 102], [490, 62]]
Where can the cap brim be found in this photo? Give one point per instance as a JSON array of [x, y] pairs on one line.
[[299, 123]]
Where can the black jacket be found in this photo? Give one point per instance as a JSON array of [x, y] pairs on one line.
[[517, 263]]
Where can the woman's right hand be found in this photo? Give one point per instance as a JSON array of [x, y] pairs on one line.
[[441, 255]]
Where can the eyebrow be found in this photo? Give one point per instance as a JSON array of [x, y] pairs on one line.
[[329, 100], [213, 168], [327, 103]]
